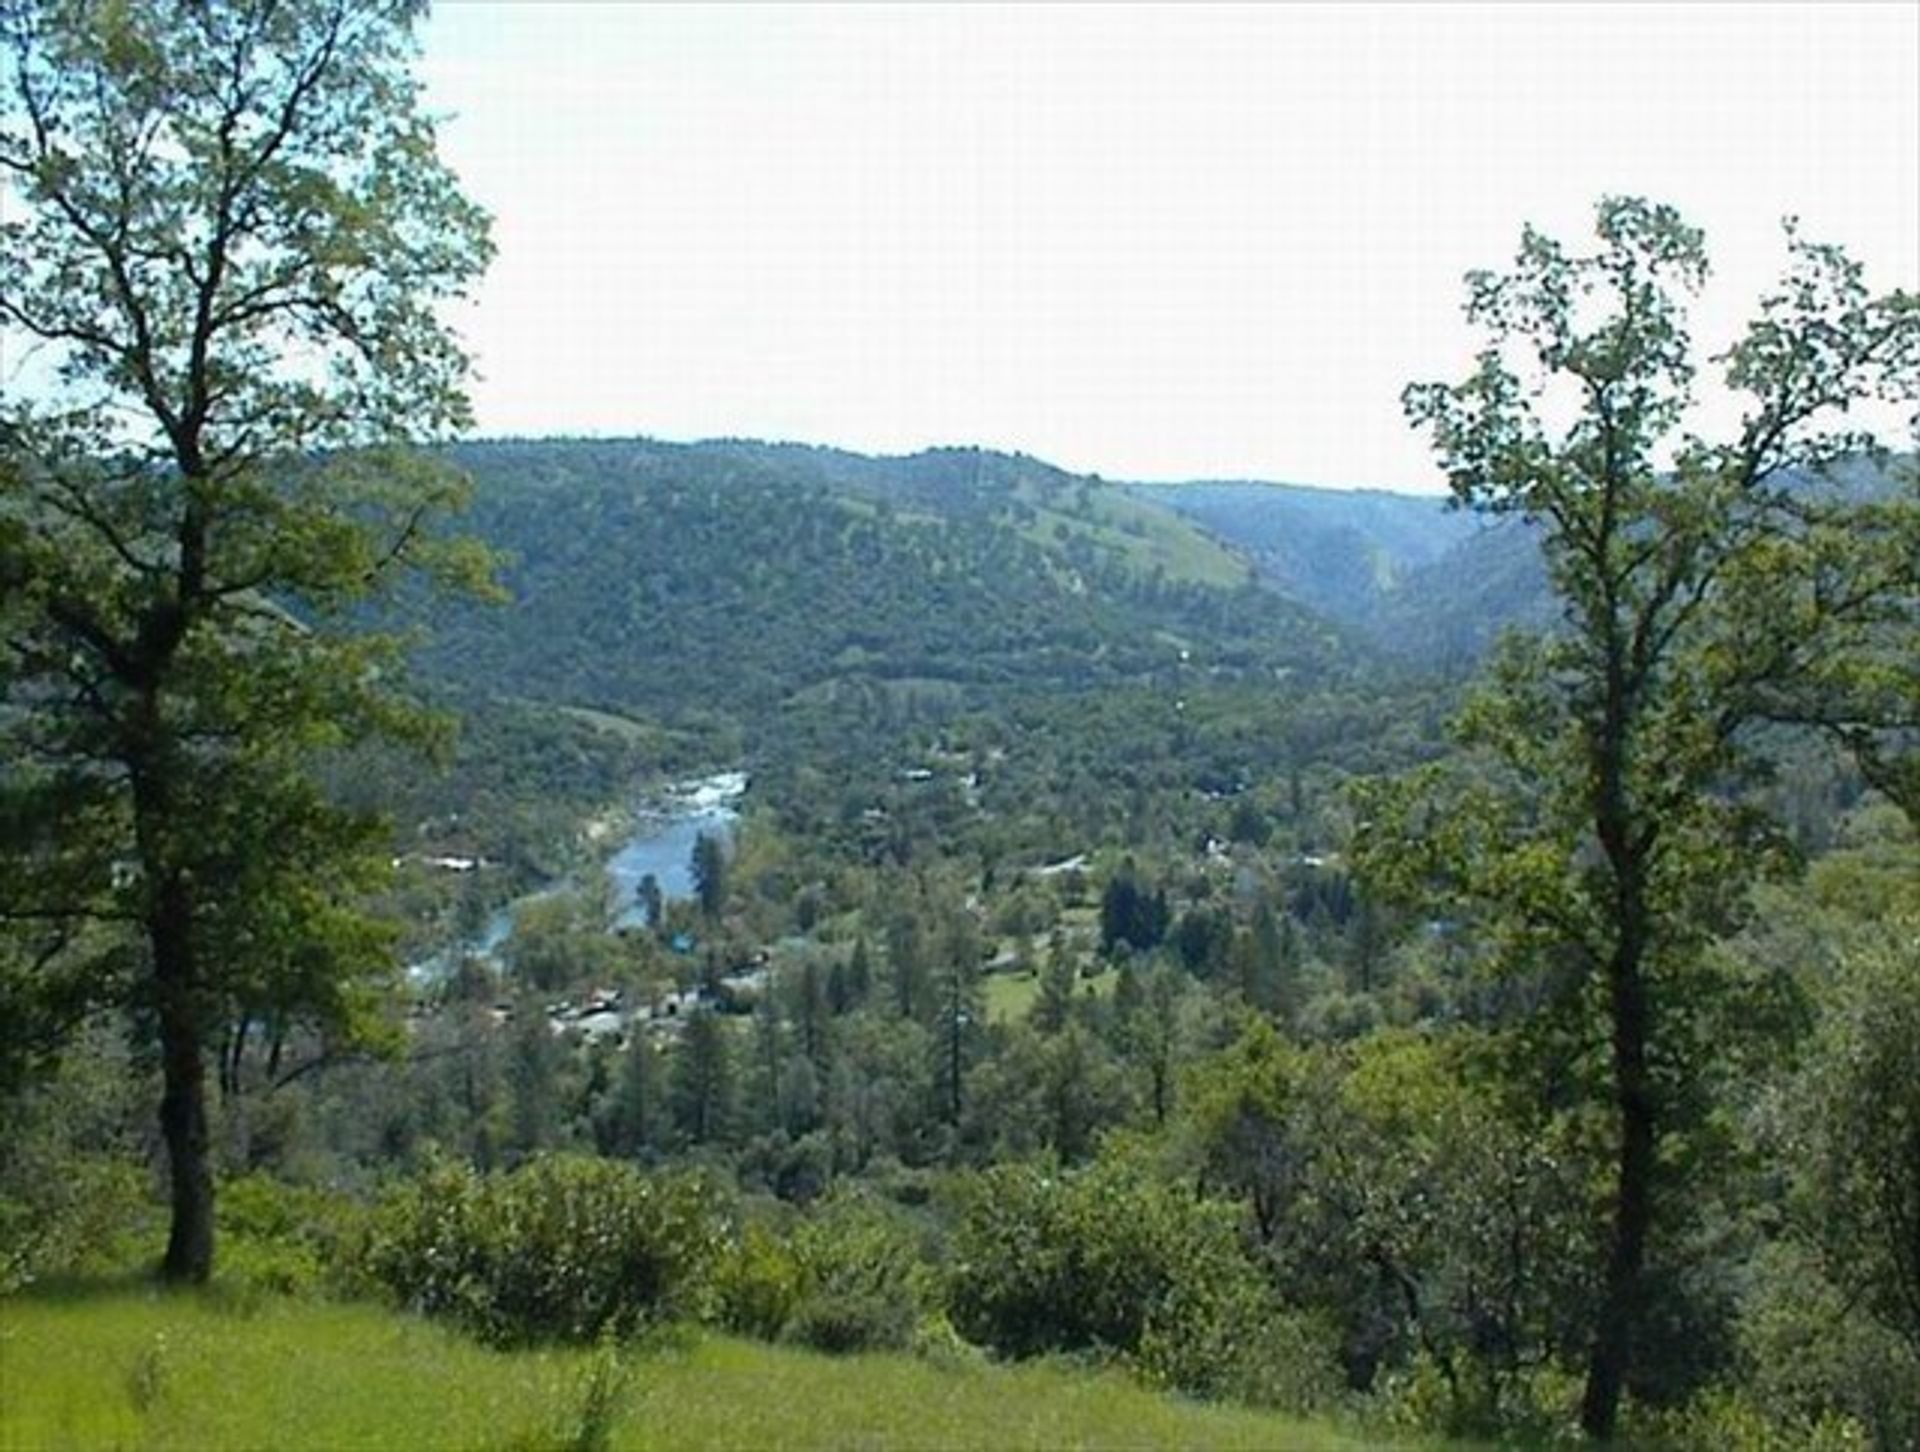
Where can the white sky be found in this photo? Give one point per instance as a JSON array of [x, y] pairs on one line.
[[1152, 242]]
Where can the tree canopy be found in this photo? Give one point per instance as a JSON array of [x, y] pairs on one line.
[[231, 241], [1707, 589]]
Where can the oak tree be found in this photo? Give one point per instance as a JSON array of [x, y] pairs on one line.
[[1599, 837], [227, 243]]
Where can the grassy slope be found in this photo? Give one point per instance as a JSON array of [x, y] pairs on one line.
[[1145, 534], [124, 1366], [1010, 996]]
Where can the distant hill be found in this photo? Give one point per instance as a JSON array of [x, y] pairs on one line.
[[1341, 551], [735, 579], [724, 580], [1423, 582]]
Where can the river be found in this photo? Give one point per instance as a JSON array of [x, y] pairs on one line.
[[660, 842], [663, 838]]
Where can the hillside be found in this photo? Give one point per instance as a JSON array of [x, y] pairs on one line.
[[1421, 581], [730, 579], [1341, 551], [125, 1366]]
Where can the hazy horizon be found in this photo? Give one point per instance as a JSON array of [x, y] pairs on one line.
[[1147, 242]]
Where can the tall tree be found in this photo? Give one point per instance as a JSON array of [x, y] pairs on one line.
[[702, 1085], [907, 959], [229, 236], [631, 1121], [959, 1008], [709, 871], [1705, 587]]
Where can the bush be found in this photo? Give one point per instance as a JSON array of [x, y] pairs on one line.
[[1811, 1354], [563, 1248], [289, 1240], [863, 1283], [1725, 1417], [1110, 1260], [849, 1278], [1233, 1340], [757, 1286], [95, 1214]]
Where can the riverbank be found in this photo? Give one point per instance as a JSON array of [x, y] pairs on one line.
[[654, 837]]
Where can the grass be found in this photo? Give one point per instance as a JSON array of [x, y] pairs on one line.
[[1143, 534], [122, 1364], [1010, 996]]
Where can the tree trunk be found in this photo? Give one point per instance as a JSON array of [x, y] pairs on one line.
[[1633, 1201], [183, 1102]]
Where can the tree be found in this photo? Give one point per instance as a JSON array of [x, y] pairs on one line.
[[1857, 1149], [533, 1074], [630, 1124], [709, 869], [228, 235], [1059, 982], [651, 900], [907, 960], [702, 1086], [1267, 964], [1130, 914], [959, 1008], [1705, 588]]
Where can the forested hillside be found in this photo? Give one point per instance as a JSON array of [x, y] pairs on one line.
[[734, 578]]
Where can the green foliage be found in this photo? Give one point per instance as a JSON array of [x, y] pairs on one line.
[[850, 1276], [561, 1249], [1110, 1259], [756, 1285], [1809, 1356], [1399, 1193], [864, 1284], [1726, 1417], [709, 870], [1130, 914], [90, 1213], [1592, 832], [231, 233], [290, 1240], [602, 1396], [1857, 1150], [702, 1094], [819, 578], [74, 1197]]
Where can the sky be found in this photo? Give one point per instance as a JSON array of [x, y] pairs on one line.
[[1152, 242]]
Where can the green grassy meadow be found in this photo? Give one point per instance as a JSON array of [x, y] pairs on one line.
[[1010, 996], [121, 1364]]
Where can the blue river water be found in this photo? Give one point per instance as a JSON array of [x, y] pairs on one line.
[[661, 843]]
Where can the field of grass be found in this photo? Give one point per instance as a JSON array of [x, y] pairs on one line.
[[1010, 996], [1141, 533], [120, 1364]]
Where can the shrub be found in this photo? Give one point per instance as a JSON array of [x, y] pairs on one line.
[[563, 1248], [1111, 1260], [850, 1277], [863, 1283], [289, 1240], [757, 1285], [94, 1214], [1730, 1418]]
